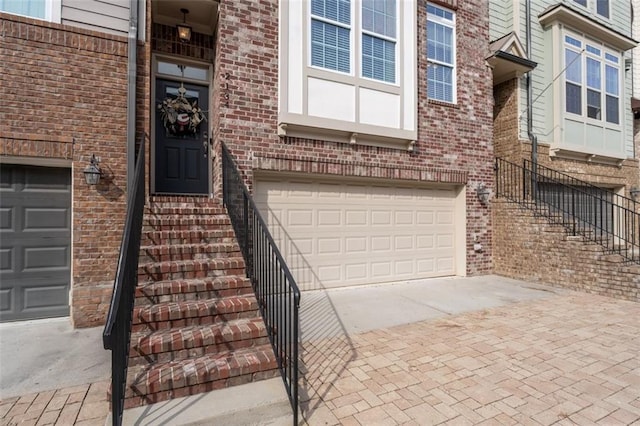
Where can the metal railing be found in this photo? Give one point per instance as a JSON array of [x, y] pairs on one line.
[[585, 210], [276, 291], [117, 330]]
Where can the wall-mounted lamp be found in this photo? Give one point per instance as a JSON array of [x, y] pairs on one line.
[[635, 193], [92, 173], [184, 31], [484, 194]]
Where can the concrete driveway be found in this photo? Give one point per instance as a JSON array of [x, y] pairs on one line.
[[482, 350]]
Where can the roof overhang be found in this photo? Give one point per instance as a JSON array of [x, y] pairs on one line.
[[508, 59], [579, 21]]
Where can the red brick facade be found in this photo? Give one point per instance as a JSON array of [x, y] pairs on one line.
[[73, 107], [454, 141]]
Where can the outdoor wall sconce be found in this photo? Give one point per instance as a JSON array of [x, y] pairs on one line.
[[184, 31], [92, 173], [635, 193], [484, 194]]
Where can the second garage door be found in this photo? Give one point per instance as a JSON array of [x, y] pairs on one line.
[[334, 234]]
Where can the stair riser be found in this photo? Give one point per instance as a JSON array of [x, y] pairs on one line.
[[135, 399], [212, 236], [144, 276], [176, 222], [149, 326], [183, 297], [149, 256], [136, 358], [156, 211]]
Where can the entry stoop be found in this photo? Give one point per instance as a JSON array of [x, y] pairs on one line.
[[263, 403], [196, 324]]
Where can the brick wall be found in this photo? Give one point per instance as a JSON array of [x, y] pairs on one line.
[[454, 141], [64, 96], [530, 248]]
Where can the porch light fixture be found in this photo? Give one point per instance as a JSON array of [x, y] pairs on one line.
[[184, 31], [484, 194], [635, 193], [92, 173]]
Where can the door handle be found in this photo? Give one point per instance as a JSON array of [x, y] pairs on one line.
[[205, 145]]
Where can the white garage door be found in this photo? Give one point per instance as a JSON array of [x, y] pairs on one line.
[[336, 234]]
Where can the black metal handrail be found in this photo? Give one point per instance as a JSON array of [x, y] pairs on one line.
[[594, 213], [117, 330], [276, 291]]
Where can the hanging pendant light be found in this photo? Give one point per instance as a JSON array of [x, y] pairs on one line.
[[184, 30]]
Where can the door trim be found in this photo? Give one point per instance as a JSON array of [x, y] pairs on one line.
[[155, 59]]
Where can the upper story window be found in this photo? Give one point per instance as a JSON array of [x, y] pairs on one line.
[[331, 34], [592, 80], [332, 27], [601, 7], [379, 19], [441, 54], [48, 10]]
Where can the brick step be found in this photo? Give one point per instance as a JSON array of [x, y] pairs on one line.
[[189, 269], [195, 341], [175, 379], [218, 235], [164, 253], [196, 289], [185, 222], [176, 210], [166, 315]]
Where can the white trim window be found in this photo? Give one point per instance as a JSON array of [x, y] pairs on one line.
[[441, 54], [379, 27], [601, 7], [48, 10], [331, 34], [592, 80]]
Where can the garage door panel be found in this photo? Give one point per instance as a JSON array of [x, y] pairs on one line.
[[342, 234], [35, 247], [6, 219]]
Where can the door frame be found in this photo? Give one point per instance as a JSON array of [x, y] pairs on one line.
[[156, 58]]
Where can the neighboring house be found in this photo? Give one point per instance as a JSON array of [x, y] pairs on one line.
[[363, 130], [562, 83]]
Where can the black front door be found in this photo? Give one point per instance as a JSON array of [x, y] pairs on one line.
[[182, 145]]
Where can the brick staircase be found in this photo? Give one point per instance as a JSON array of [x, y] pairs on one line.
[[196, 325]]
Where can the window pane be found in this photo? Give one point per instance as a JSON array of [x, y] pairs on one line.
[[572, 41], [602, 7], [330, 46], [32, 8], [582, 2], [440, 82], [379, 16], [573, 99], [439, 43], [574, 66], [335, 10], [613, 110], [593, 74], [594, 104], [612, 82], [378, 58]]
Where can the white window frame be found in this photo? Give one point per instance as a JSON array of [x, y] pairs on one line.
[[52, 11], [393, 40], [592, 7], [453, 65], [584, 53]]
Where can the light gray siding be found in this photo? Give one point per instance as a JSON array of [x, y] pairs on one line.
[[544, 74], [109, 16], [501, 22]]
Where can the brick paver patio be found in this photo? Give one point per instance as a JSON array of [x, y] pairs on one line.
[[568, 359]]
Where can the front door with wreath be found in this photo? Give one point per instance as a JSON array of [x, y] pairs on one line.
[[181, 138]]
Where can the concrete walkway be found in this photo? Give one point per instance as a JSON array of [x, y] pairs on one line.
[[452, 351]]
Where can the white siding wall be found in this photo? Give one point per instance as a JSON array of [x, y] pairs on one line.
[[109, 16], [501, 22], [636, 50]]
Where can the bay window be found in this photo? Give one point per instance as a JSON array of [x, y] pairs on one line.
[[592, 74]]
